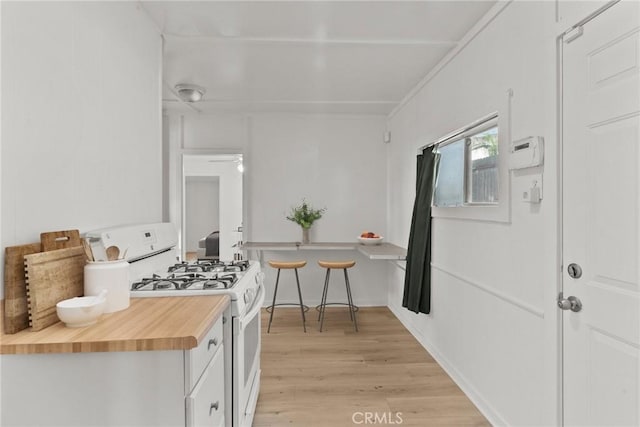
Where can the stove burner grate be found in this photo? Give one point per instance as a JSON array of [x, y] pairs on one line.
[[208, 266], [185, 281], [205, 284], [157, 282], [216, 282]]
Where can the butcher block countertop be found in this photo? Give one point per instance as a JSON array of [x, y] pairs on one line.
[[165, 323]]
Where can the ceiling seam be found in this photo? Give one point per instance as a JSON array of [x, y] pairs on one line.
[[296, 40]]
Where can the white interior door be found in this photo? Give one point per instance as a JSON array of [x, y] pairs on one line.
[[601, 232]]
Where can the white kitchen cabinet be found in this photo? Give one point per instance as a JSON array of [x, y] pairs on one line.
[[205, 404], [133, 388], [198, 358]]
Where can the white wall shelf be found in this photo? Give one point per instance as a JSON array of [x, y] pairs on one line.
[[383, 251]]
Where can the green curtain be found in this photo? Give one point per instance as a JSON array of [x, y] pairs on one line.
[[417, 280]]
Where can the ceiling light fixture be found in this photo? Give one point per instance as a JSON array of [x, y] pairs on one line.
[[190, 93]]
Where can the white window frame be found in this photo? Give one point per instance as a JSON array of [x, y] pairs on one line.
[[494, 212]]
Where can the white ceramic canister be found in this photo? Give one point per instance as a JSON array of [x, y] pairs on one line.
[[112, 276]]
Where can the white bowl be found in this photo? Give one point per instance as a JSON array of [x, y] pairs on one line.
[[370, 240], [80, 311]]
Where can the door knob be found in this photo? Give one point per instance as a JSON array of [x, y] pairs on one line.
[[572, 303]]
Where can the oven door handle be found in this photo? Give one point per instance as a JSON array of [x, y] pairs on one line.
[[255, 308]]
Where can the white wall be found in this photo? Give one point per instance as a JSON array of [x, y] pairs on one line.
[[493, 320], [335, 161], [81, 123], [202, 198]]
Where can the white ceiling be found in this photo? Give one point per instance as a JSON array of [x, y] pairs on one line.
[[306, 56]]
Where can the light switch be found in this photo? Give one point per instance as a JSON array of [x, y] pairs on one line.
[[533, 194]]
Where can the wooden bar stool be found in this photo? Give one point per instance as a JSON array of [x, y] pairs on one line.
[[287, 265], [343, 265]]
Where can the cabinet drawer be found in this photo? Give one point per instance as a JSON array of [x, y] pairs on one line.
[[205, 405], [198, 358]]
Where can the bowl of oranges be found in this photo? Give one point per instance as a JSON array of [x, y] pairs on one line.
[[370, 238]]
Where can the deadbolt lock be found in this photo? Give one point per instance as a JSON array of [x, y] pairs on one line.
[[574, 270]]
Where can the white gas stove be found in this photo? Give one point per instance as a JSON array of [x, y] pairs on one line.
[[241, 280], [157, 271]]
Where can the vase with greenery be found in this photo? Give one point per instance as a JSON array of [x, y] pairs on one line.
[[305, 215]]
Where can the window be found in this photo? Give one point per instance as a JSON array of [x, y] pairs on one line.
[[450, 178], [468, 170]]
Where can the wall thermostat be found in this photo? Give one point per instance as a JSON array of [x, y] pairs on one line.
[[526, 153]]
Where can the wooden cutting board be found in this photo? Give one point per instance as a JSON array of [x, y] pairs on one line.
[[16, 312], [52, 277], [53, 240]]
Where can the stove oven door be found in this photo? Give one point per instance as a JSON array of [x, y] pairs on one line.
[[246, 362]]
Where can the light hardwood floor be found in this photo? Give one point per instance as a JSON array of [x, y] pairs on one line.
[[335, 377]]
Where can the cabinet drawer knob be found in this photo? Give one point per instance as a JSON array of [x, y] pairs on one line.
[[212, 341], [214, 406]]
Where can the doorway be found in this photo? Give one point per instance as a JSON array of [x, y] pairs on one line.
[[202, 208], [601, 218], [212, 205]]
